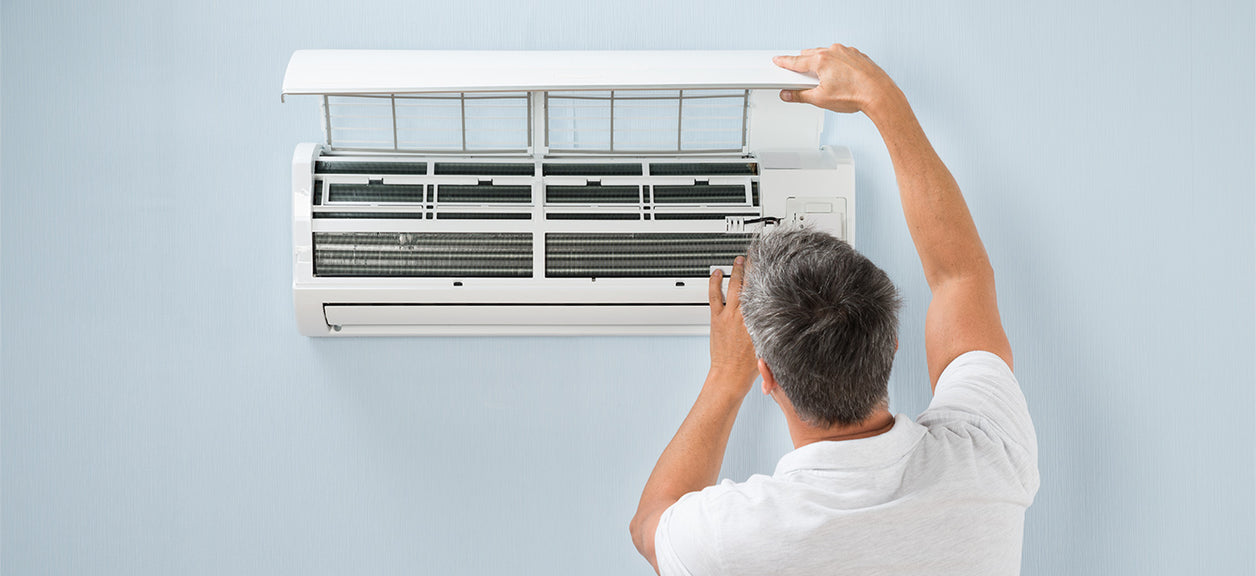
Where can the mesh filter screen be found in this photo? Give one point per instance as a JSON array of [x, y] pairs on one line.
[[423, 254], [700, 194], [384, 193], [593, 194], [640, 255]]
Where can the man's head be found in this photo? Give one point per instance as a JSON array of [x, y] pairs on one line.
[[825, 321]]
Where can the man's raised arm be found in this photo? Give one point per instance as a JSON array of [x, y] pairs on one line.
[[964, 314]]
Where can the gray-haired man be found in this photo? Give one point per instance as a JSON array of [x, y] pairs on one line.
[[864, 492]]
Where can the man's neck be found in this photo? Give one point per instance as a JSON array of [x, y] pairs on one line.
[[803, 434]]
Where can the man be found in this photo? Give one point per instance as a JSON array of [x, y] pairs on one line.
[[864, 492]]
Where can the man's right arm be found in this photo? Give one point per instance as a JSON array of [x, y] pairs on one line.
[[964, 314]]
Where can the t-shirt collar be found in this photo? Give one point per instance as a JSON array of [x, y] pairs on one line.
[[874, 451]]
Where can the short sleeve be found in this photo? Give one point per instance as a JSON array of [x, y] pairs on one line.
[[684, 542], [981, 385]]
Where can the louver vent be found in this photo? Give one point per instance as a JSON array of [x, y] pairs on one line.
[[640, 255], [421, 254]]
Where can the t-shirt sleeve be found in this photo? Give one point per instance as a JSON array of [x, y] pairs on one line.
[[684, 542], [980, 385]]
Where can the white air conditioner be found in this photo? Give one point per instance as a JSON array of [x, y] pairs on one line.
[[544, 192]]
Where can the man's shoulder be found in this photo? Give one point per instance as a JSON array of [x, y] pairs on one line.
[[978, 406]]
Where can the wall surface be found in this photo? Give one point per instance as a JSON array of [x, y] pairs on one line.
[[159, 413]]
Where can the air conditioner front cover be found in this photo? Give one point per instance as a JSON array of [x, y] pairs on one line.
[[544, 192]]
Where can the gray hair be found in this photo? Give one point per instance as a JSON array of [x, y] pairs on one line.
[[825, 320]]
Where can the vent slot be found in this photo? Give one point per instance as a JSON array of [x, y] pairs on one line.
[[485, 169], [593, 194], [593, 216], [483, 216], [700, 194], [423, 254], [371, 215], [355, 167], [703, 168], [640, 255], [375, 193], [483, 193], [582, 169], [698, 216]]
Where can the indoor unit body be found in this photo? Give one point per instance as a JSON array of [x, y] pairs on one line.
[[545, 192]]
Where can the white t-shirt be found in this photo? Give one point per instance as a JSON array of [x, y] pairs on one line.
[[945, 494]]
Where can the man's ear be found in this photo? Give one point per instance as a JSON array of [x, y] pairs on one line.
[[769, 381]]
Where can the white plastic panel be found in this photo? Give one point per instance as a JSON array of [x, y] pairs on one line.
[[415, 71], [573, 315]]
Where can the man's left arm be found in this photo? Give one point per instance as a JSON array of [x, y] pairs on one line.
[[692, 459]]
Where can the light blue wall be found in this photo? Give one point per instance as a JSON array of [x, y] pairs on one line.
[[160, 414]]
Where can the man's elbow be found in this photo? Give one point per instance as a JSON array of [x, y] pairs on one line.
[[635, 527], [641, 528]]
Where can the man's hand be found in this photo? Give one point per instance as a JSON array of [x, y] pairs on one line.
[[849, 80], [733, 360]]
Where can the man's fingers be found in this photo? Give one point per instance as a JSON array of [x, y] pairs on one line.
[[801, 63], [734, 283], [716, 293]]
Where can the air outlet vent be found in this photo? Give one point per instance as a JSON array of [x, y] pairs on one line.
[[415, 254], [640, 255]]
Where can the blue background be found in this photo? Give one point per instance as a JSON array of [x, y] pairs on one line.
[[160, 414]]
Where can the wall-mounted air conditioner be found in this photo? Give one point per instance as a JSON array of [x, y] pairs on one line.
[[544, 192]]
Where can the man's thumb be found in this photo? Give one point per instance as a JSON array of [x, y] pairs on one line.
[[804, 96]]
